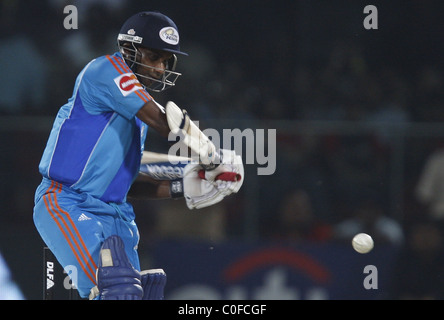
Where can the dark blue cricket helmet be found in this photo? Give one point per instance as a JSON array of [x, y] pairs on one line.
[[152, 30]]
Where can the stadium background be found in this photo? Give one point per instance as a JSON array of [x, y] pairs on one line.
[[358, 113]]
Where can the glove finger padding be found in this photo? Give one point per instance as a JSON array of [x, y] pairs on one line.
[[230, 163], [199, 193], [237, 167], [227, 158]]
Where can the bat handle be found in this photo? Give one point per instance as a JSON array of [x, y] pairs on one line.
[[209, 167], [214, 163]]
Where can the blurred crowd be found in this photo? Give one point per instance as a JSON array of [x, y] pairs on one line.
[[228, 74], [327, 187]]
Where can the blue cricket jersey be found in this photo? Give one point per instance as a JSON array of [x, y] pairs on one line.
[[96, 141]]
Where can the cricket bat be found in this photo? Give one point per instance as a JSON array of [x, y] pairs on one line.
[[150, 158]]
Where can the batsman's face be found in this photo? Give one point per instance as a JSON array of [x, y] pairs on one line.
[[153, 64]]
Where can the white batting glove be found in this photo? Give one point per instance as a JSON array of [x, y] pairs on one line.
[[230, 162], [199, 193]]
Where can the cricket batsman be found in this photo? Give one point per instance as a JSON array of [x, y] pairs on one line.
[[91, 164]]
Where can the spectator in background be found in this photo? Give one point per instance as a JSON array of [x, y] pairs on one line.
[[429, 97], [296, 220], [175, 222], [24, 69], [418, 270], [94, 38], [8, 288], [368, 216], [430, 187], [389, 113]]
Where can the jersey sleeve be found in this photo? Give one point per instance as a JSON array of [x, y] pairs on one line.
[[109, 85]]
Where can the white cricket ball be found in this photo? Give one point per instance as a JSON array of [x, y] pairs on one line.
[[362, 243]]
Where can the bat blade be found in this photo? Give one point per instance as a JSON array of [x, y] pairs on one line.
[[153, 157]]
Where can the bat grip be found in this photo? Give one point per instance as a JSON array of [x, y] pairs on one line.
[[224, 176], [214, 164]]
